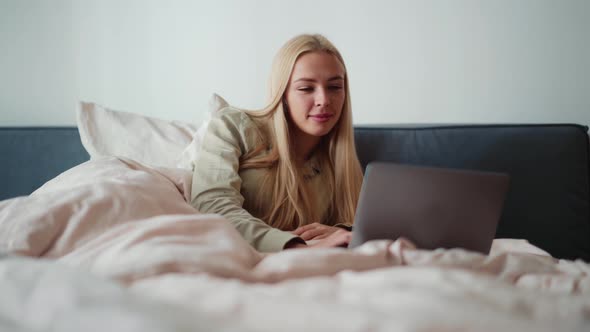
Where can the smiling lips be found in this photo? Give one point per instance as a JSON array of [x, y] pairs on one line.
[[322, 117]]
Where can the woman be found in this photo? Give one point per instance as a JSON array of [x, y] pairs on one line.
[[288, 173]]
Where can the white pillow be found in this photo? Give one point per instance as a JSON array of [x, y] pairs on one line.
[[190, 153], [151, 141]]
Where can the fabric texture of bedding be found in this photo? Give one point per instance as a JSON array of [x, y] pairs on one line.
[[130, 225]]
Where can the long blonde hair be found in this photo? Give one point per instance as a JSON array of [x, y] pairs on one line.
[[293, 205]]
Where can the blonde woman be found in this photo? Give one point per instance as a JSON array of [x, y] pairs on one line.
[[286, 176]]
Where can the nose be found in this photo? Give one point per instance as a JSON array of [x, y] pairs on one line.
[[322, 98]]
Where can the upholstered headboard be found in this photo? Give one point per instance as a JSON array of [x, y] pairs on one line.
[[33, 155]]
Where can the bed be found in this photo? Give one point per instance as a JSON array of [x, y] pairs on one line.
[[92, 238]]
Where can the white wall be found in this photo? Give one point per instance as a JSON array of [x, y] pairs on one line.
[[409, 61]]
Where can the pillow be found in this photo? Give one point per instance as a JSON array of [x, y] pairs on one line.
[[190, 153], [151, 141]]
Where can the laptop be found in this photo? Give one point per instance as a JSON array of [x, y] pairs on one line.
[[432, 207]]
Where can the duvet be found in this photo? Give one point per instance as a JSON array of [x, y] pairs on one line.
[[113, 245]]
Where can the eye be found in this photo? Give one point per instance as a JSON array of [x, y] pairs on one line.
[[305, 89], [335, 87]]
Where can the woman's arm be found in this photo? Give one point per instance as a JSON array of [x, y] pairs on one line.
[[216, 182]]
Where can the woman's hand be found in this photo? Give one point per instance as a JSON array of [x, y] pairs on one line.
[[315, 231], [338, 238], [321, 236]]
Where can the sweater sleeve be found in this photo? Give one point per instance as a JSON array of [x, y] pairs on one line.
[[216, 182], [345, 226]]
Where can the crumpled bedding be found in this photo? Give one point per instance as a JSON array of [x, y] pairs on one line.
[[130, 227]]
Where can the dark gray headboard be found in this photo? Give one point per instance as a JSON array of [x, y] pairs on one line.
[[33, 155]]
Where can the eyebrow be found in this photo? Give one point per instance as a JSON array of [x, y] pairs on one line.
[[312, 80]]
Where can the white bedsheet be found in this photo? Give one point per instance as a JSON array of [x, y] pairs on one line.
[[44, 295], [120, 245]]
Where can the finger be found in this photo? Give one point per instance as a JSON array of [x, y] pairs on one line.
[[323, 231], [335, 239], [328, 232], [300, 230], [340, 238], [311, 234], [304, 228], [321, 236]]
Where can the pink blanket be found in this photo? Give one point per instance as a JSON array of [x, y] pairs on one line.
[[125, 221]]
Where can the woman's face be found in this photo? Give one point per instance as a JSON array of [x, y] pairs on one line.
[[315, 94]]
